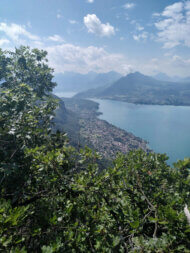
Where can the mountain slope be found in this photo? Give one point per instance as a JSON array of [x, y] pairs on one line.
[[164, 77], [138, 88], [70, 81]]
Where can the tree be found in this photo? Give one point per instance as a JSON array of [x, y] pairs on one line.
[[56, 199], [28, 67]]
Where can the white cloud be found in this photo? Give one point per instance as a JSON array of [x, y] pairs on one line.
[[180, 62], [56, 38], [139, 27], [94, 25], [174, 25], [68, 57], [3, 42], [170, 64], [129, 6], [90, 1], [141, 36], [173, 10], [17, 33], [156, 14], [72, 21]]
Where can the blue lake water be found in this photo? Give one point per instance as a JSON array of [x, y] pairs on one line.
[[166, 128]]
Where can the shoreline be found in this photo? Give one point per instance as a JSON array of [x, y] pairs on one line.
[[101, 135], [138, 103]]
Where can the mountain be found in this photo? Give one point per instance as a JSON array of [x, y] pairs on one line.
[[164, 77], [138, 88], [70, 81]]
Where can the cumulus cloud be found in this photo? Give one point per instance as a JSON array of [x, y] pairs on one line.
[[68, 57], [94, 25], [173, 10], [17, 33], [174, 25], [63, 56], [90, 1], [3, 42], [170, 64], [129, 6]]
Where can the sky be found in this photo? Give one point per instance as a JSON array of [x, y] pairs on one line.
[[149, 36]]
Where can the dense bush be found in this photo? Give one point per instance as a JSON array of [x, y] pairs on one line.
[[56, 199]]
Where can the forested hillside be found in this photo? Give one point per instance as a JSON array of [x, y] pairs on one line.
[[55, 198], [140, 89]]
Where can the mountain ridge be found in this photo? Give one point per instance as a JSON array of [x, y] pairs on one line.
[[142, 89], [71, 81], [164, 77]]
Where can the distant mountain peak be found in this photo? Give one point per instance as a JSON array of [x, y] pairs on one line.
[[137, 76], [138, 73], [71, 81], [162, 77]]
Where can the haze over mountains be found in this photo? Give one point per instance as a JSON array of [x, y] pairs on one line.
[[138, 88], [70, 81], [134, 87], [163, 77]]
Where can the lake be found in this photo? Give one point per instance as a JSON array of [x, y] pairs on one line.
[[166, 128]]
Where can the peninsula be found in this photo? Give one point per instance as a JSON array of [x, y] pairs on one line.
[[79, 118]]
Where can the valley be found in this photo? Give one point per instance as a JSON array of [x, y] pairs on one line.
[[79, 118], [132, 104]]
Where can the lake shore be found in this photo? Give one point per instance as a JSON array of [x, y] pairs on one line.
[[99, 134], [165, 127]]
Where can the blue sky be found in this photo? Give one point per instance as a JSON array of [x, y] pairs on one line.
[[150, 36]]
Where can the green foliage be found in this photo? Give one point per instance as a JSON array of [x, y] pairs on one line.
[[24, 123], [11, 224], [57, 199], [26, 66]]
